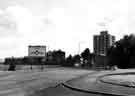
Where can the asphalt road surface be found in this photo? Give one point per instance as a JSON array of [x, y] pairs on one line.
[[63, 89], [60, 81], [90, 85], [28, 82]]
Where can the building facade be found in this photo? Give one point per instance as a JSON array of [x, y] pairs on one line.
[[102, 42]]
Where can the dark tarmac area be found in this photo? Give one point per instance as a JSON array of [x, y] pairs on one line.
[[89, 85], [62, 91]]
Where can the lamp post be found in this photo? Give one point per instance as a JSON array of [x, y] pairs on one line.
[[79, 46]]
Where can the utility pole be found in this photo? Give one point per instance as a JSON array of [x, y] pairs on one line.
[[79, 46]]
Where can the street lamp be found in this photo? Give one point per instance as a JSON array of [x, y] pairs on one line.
[[79, 45]]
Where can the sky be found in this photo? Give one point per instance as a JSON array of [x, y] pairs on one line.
[[61, 24]]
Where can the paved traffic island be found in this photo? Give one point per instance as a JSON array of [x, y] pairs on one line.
[[113, 83], [121, 79]]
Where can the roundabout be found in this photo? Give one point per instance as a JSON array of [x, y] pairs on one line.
[[111, 83], [120, 79], [97, 83]]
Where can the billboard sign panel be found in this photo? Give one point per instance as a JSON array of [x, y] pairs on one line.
[[37, 51]]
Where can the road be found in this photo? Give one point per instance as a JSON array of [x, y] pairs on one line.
[[91, 85], [27, 82], [60, 81], [70, 88]]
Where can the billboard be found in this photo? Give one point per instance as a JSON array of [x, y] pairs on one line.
[[37, 51]]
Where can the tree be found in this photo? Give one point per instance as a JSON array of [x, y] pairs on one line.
[[69, 61], [87, 56], [122, 52], [12, 65], [58, 57], [76, 59]]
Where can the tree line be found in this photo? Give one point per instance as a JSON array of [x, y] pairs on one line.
[[122, 53], [83, 59]]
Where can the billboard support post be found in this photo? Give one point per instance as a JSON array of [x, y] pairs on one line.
[[35, 52]]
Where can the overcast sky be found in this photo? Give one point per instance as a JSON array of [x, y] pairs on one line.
[[61, 24]]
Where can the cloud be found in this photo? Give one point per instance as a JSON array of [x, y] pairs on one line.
[[60, 23], [47, 21], [8, 26], [7, 23]]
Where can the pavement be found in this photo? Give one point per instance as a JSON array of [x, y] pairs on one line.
[[62, 91], [60, 81], [27, 82], [98, 84], [92, 84]]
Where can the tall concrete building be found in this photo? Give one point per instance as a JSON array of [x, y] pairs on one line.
[[102, 42]]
